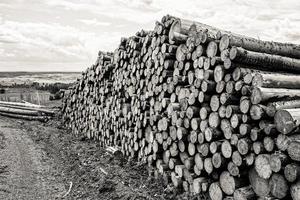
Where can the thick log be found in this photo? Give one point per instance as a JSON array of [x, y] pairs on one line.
[[292, 172], [262, 166], [243, 145], [208, 166], [295, 191], [277, 161], [278, 185], [294, 150], [280, 105], [229, 183], [260, 186], [244, 193], [265, 61], [283, 141], [287, 120], [276, 80], [233, 169], [258, 112], [260, 94], [218, 161], [181, 28], [284, 49], [215, 192]]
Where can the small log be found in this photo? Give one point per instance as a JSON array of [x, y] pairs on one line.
[[233, 169], [262, 166], [278, 185], [287, 121], [229, 183], [260, 186], [292, 172], [295, 191], [283, 141], [26, 117], [294, 150], [244, 193], [226, 149], [215, 192], [277, 161]]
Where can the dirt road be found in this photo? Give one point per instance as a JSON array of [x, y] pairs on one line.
[[25, 171], [40, 160]]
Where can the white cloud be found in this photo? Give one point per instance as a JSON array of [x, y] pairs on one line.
[[94, 22], [72, 31], [52, 42], [133, 11]]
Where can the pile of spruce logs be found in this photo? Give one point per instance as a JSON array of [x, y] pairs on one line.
[[213, 112]]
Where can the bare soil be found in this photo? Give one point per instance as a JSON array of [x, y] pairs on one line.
[[45, 161]]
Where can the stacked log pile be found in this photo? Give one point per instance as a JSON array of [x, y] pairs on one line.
[[211, 111]]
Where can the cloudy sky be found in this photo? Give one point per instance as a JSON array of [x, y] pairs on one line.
[[65, 35]]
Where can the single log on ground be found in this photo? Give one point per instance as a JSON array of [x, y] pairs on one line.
[[42, 110], [26, 117], [20, 111]]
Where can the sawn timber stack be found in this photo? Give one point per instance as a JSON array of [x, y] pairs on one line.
[[213, 112]]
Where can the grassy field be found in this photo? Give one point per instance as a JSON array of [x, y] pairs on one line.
[[19, 85], [11, 78]]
